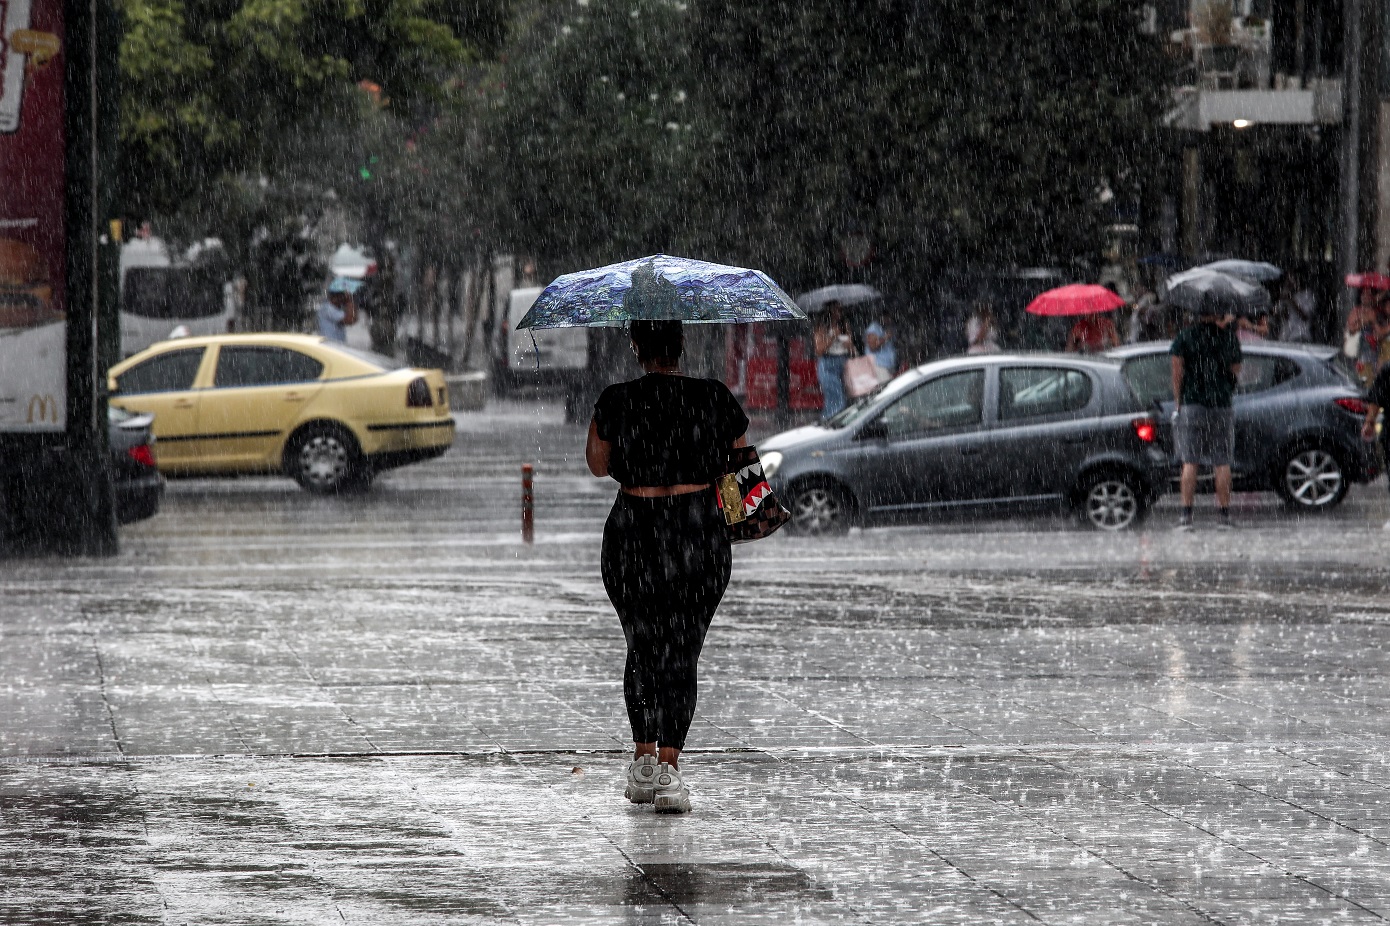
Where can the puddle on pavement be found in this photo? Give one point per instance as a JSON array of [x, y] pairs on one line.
[[719, 883]]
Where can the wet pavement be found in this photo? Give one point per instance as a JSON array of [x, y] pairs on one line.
[[276, 708]]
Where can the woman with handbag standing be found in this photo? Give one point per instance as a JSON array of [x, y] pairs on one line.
[[1364, 330], [665, 438], [834, 347]]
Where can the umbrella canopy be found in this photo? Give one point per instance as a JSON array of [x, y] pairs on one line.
[[1256, 270], [846, 294], [1202, 291], [1368, 280], [659, 288], [1075, 299]]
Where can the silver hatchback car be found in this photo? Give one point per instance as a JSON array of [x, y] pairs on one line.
[[991, 434]]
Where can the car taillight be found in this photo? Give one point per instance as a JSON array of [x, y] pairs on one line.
[[142, 454], [1144, 429], [1355, 406], [417, 394]]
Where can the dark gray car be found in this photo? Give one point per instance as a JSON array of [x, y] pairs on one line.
[[1298, 419], [984, 434]]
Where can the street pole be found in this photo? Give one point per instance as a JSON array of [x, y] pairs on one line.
[[87, 523], [1351, 154]]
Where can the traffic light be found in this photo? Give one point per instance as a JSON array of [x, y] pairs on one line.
[[366, 170]]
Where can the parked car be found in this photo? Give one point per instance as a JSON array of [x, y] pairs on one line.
[[134, 477], [325, 414], [986, 434], [1298, 417]]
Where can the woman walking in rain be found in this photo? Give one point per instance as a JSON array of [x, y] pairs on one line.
[[665, 438]]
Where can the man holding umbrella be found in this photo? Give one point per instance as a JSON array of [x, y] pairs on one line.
[[1206, 362], [338, 310]]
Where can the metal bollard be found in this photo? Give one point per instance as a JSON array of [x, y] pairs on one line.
[[528, 504]]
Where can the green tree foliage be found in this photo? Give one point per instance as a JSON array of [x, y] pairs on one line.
[[251, 120], [215, 89], [944, 131], [590, 139]]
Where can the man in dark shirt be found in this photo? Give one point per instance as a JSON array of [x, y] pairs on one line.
[[1378, 397], [1206, 365]]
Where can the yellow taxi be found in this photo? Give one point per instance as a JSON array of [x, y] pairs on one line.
[[326, 414]]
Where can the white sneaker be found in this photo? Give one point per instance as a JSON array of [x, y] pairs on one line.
[[641, 780], [672, 796]]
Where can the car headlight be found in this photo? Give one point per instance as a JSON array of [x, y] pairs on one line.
[[772, 460]]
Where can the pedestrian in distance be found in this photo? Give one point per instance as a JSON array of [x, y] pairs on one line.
[[665, 438], [880, 347], [1377, 398], [1092, 334], [338, 311], [981, 332], [834, 347], [1250, 330], [1206, 360], [1295, 309], [1364, 329]]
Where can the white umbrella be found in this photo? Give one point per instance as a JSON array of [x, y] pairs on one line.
[[1257, 270], [847, 294]]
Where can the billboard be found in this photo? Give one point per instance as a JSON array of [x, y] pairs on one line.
[[33, 242]]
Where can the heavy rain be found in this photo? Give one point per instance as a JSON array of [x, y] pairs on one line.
[[665, 461]]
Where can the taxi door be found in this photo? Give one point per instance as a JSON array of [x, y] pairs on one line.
[[164, 386], [257, 395]]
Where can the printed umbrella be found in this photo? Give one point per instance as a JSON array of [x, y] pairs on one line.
[[1256, 270], [1201, 290], [660, 288], [1075, 299], [1368, 280], [847, 294]]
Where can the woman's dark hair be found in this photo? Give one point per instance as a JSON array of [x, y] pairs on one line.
[[657, 342]]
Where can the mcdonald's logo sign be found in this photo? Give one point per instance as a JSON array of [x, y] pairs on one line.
[[43, 408]]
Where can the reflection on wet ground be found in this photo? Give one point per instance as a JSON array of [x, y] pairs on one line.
[[280, 708]]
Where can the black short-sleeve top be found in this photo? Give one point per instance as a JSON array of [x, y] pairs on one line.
[[668, 430], [1379, 393]]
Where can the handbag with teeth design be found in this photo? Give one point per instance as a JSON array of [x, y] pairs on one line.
[[751, 509]]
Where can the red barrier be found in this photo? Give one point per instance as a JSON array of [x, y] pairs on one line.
[[528, 504]]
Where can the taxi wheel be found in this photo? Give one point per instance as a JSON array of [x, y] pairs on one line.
[[325, 458]]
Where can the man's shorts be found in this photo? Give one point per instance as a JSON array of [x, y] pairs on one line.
[[1205, 436]]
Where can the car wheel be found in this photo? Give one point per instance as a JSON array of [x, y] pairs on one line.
[[1111, 501], [325, 458], [1311, 479], [820, 509]]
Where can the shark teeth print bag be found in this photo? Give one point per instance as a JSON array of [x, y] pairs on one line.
[[751, 509]]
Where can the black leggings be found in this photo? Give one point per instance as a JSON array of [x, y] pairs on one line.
[[666, 564]]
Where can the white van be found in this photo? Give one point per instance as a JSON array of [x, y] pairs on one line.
[[557, 354], [159, 295]]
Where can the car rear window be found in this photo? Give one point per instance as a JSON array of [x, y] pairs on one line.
[[380, 361], [263, 366], [1151, 378], [1259, 372]]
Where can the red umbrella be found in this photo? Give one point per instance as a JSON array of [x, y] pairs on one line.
[[1368, 280], [1075, 299]]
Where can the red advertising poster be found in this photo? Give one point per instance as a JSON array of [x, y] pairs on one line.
[[33, 260]]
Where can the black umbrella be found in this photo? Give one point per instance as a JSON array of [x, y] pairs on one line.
[[1203, 291]]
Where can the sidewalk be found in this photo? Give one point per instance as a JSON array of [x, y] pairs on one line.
[[286, 709]]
